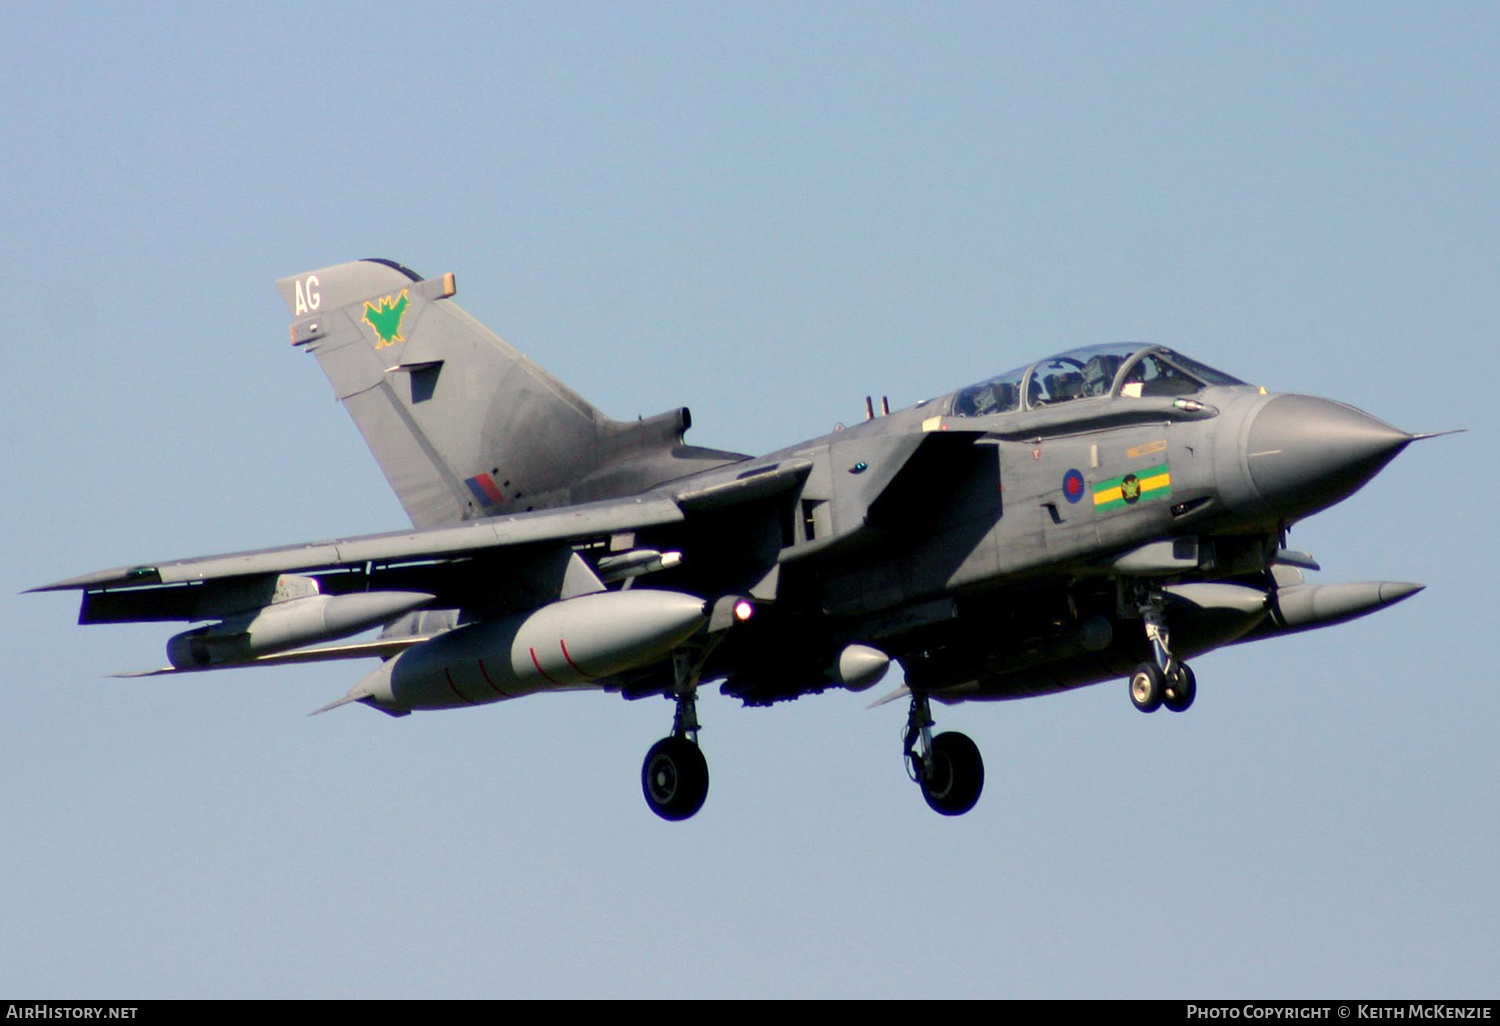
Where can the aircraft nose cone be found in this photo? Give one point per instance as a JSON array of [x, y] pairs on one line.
[[1306, 453]]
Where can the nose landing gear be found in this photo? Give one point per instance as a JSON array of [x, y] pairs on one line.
[[1181, 689], [1164, 680]]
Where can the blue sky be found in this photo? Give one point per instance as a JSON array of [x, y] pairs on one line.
[[765, 212]]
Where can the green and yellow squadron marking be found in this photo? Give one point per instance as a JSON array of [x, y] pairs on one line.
[[385, 317], [1128, 489]]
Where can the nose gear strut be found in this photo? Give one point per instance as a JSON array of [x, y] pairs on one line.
[[1163, 680]]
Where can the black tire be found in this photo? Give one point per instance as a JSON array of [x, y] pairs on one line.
[[957, 777], [1147, 687], [674, 778], [1181, 691]]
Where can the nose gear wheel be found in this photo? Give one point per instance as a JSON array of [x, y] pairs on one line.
[[1163, 680]]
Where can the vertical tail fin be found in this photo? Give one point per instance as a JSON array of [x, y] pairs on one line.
[[462, 424]]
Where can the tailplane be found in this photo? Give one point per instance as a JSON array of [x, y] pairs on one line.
[[463, 424]]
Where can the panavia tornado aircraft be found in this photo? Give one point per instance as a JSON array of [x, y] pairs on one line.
[[1102, 514]]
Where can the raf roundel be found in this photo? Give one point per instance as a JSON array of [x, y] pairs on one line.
[[1073, 486]]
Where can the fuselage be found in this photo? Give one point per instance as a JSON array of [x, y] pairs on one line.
[[989, 554], [1107, 512]]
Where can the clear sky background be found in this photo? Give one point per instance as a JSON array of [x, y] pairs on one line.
[[766, 212]]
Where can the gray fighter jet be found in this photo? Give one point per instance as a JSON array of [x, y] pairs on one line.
[[1102, 514]]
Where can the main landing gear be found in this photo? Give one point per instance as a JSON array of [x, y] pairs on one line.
[[948, 767], [1163, 681], [674, 777]]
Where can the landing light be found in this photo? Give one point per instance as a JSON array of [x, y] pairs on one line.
[[743, 610]]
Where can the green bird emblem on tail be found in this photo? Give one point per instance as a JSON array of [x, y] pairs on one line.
[[385, 317]]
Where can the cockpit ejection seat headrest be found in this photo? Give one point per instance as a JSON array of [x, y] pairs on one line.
[[1099, 374]]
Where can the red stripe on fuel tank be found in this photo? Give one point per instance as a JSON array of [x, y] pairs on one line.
[[491, 683], [539, 667], [563, 644], [449, 674]]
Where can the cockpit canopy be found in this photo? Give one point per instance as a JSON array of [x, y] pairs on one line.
[[1126, 369]]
